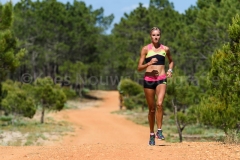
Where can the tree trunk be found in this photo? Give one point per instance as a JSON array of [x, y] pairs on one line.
[[43, 112], [176, 121], [55, 72], [33, 61], [0, 97], [238, 128]]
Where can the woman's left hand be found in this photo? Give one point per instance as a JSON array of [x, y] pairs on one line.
[[169, 74]]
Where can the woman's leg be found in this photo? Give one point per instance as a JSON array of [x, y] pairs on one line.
[[150, 97], [160, 93]]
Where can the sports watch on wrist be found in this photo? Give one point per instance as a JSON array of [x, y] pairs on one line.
[[170, 70]]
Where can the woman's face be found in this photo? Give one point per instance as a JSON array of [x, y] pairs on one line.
[[155, 36]]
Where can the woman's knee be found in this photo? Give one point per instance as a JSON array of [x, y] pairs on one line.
[[159, 104], [152, 109]]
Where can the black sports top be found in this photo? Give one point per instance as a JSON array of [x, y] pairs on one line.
[[160, 55]]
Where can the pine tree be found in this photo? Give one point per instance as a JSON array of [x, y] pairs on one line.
[[222, 109], [49, 95], [9, 53]]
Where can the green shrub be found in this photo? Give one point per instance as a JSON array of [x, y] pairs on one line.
[[141, 99], [129, 87], [49, 95], [19, 100], [85, 91], [70, 93], [134, 102], [232, 137], [6, 118], [129, 103], [133, 94]]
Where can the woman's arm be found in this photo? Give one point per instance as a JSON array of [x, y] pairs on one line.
[[142, 66], [171, 64]]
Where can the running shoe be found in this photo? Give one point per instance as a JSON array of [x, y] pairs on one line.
[[152, 140], [159, 135]]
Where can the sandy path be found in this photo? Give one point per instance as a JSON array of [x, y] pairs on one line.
[[99, 125], [103, 135]]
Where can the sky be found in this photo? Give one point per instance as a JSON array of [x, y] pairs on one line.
[[119, 7]]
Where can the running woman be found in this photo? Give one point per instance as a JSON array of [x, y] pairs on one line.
[[155, 80]]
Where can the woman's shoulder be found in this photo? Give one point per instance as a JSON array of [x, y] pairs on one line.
[[146, 47], [166, 48]]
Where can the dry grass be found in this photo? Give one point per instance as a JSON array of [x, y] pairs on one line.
[[32, 132], [191, 133]]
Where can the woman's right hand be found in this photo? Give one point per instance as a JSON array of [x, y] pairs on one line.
[[153, 60]]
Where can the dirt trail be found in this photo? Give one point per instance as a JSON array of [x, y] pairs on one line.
[[99, 134]]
